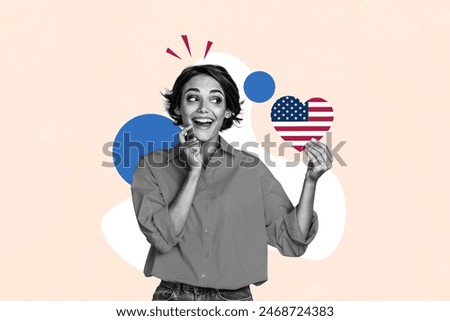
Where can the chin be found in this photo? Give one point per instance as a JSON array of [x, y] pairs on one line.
[[205, 136]]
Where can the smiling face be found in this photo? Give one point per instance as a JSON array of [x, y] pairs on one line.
[[203, 105]]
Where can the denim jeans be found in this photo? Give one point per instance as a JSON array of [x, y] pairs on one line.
[[171, 291]]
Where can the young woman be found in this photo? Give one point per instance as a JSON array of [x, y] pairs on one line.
[[208, 209]]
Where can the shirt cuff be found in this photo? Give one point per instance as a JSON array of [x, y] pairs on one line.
[[294, 232], [163, 223]]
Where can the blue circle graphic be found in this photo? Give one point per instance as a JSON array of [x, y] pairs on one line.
[[140, 136], [259, 86]]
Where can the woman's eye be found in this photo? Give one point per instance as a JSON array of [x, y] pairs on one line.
[[192, 98], [216, 100]]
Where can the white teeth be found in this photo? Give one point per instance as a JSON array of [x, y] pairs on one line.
[[203, 120]]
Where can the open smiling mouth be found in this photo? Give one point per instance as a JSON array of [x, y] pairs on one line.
[[202, 123]]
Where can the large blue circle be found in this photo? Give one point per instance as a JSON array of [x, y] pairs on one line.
[[259, 86], [140, 136]]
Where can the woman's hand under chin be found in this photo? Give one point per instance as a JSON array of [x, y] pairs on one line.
[[191, 148]]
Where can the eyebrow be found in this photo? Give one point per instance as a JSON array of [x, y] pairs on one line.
[[198, 90]]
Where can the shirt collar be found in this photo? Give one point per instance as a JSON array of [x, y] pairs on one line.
[[223, 146]]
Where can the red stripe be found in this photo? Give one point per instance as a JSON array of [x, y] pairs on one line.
[[300, 138], [320, 109], [299, 148], [293, 128], [317, 100], [320, 118]]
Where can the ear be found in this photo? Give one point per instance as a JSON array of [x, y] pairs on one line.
[[228, 113], [177, 111]]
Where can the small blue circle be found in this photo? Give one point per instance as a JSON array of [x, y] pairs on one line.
[[140, 136], [259, 86]]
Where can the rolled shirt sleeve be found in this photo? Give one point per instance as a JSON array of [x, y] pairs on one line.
[[152, 210], [282, 227]]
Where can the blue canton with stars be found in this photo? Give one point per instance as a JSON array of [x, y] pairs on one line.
[[289, 108]]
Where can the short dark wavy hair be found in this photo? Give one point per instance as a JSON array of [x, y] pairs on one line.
[[220, 74]]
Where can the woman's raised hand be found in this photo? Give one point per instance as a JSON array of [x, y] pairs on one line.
[[320, 159], [191, 148]]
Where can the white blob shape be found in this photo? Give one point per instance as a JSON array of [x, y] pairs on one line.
[[120, 228], [121, 231]]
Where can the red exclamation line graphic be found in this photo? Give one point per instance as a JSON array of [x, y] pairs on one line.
[[186, 43], [208, 46], [170, 52]]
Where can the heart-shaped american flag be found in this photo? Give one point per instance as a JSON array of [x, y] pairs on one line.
[[298, 123]]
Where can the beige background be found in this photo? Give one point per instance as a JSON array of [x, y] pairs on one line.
[[72, 72]]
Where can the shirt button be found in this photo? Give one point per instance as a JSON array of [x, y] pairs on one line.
[[203, 276]]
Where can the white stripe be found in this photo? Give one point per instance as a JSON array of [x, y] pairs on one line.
[[319, 104], [297, 143], [301, 133], [301, 123], [320, 113]]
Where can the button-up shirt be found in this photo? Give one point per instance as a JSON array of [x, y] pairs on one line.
[[238, 208]]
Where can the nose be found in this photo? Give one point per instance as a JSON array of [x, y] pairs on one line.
[[203, 107]]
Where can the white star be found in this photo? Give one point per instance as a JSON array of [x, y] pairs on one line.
[[278, 118], [304, 118], [295, 118]]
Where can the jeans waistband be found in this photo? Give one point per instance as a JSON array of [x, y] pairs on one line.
[[190, 288]]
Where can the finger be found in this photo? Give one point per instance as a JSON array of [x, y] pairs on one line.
[[191, 149], [317, 147], [324, 147], [197, 156], [329, 154], [313, 162], [324, 156], [317, 159], [182, 134], [314, 143], [325, 161], [320, 145], [312, 157]]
